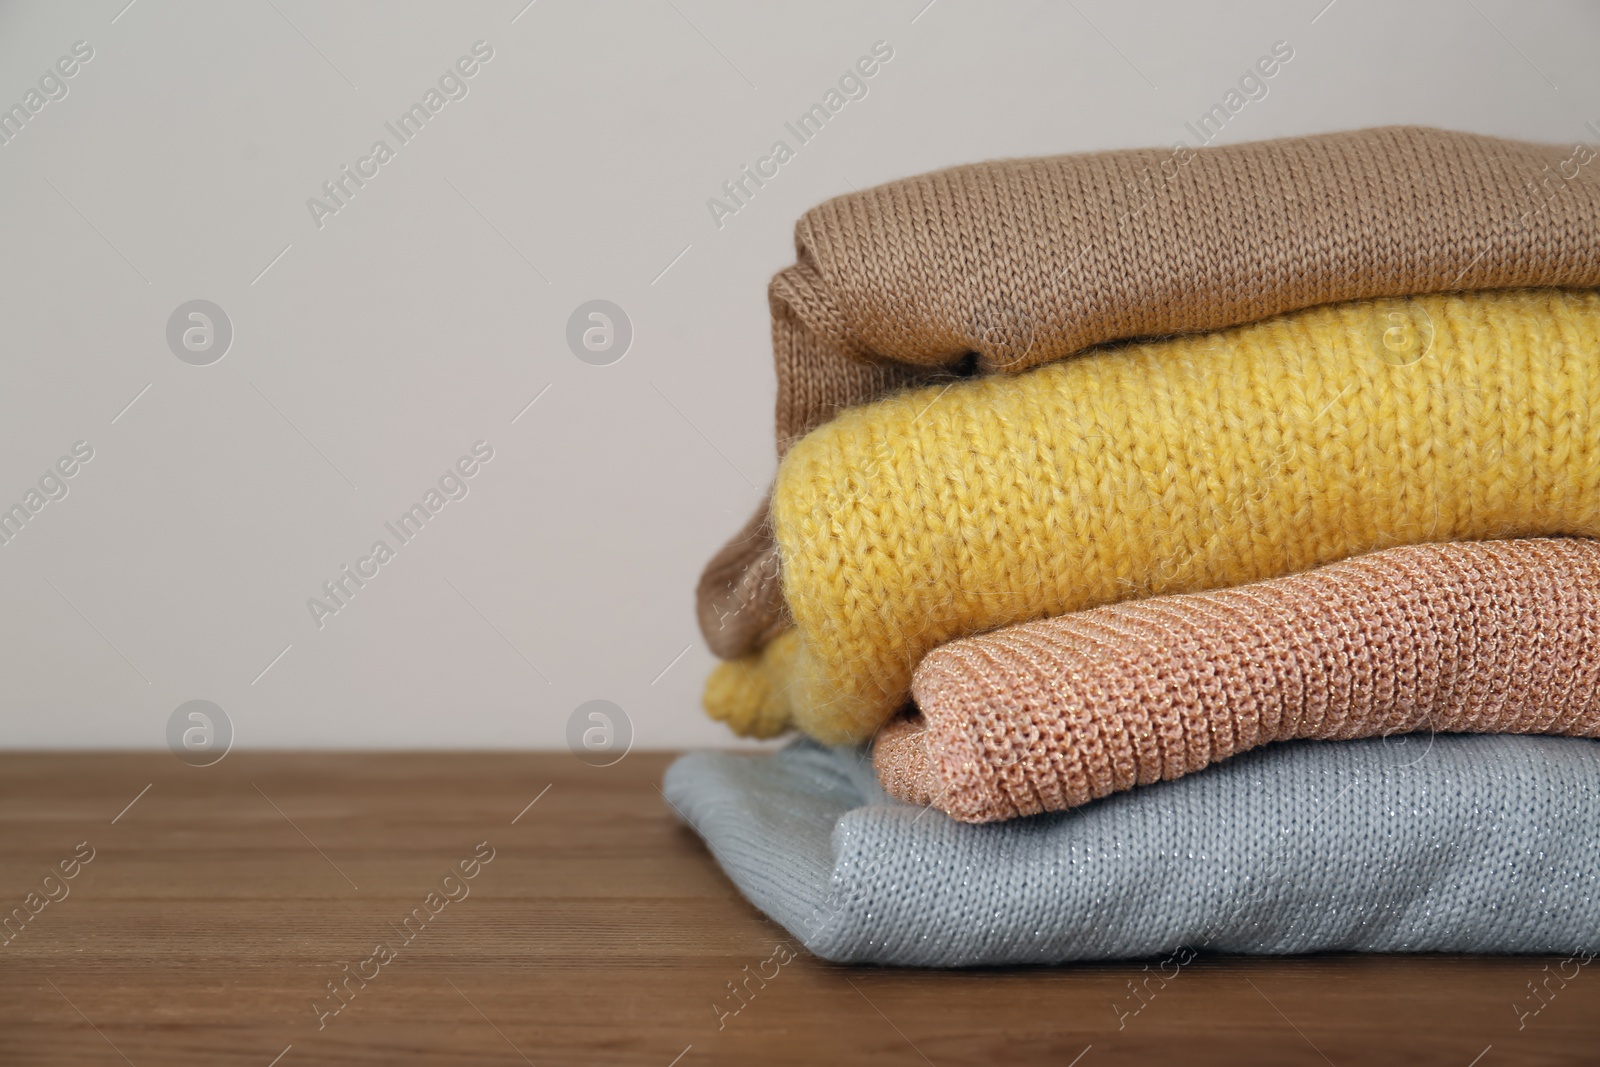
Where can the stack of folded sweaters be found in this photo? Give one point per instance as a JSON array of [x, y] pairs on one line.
[[1200, 541]]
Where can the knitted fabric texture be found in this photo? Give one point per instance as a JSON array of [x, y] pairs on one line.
[[1022, 262], [1191, 464], [1454, 843], [1480, 637]]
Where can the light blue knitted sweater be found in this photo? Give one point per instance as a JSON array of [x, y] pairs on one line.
[[1444, 844]]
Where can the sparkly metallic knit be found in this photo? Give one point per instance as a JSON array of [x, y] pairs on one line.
[[1479, 637], [1178, 466], [998, 267], [1450, 843]]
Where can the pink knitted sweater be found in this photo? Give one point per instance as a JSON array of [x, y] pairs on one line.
[[1472, 637]]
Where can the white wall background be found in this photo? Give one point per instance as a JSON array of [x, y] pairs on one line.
[[428, 312]]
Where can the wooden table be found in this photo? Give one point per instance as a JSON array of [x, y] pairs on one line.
[[219, 904]]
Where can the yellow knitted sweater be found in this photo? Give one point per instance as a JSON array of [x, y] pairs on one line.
[[1180, 465]]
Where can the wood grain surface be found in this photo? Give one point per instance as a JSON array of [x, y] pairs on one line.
[[217, 907]]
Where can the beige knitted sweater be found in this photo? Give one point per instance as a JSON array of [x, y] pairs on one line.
[[998, 267], [1470, 637]]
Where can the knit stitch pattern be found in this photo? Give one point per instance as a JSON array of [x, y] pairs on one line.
[[1479, 637], [1454, 843], [1190, 464], [998, 267]]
